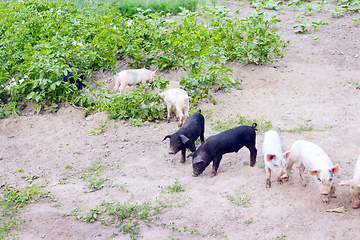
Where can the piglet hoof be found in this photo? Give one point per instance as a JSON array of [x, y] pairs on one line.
[[333, 195], [279, 181], [179, 125], [325, 199], [182, 160], [304, 183], [268, 183], [168, 121], [213, 174]]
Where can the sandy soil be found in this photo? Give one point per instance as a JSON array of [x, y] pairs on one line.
[[309, 86]]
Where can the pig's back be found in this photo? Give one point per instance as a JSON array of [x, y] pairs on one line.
[[313, 157], [271, 144], [233, 139]]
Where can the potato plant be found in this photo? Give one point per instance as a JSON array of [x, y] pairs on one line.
[[43, 41]]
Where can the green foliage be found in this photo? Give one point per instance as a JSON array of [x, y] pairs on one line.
[[92, 175], [237, 199], [247, 222], [349, 5], [262, 124], [356, 21], [175, 188], [45, 40], [126, 216], [12, 201], [303, 27], [355, 83], [129, 8], [301, 128]]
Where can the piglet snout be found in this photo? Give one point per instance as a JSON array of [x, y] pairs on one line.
[[284, 176]]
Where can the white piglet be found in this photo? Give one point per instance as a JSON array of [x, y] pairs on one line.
[[179, 99], [313, 158], [274, 159], [132, 77], [354, 185]]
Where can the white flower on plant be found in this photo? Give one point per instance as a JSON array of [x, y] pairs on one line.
[[74, 43], [51, 10], [26, 76], [80, 44], [129, 23], [58, 12], [115, 28]]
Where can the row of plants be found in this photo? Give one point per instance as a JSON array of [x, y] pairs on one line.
[[42, 41]]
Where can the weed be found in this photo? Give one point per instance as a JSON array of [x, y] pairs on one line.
[[355, 83], [100, 130], [247, 222], [12, 202], [356, 21], [281, 237], [301, 128], [261, 165], [95, 184], [237, 200], [31, 177], [337, 13], [175, 188]]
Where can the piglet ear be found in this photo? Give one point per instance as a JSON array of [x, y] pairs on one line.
[[313, 172], [287, 154], [197, 159], [336, 169], [167, 136], [346, 182], [184, 139], [270, 157]]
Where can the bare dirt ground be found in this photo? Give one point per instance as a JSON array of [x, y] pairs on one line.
[[310, 85]]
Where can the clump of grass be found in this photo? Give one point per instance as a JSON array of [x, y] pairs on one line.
[[92, 174], [12, 202], [354, 83], [127, 217], [237, 199], [175, 188], [301, 128], [247, 222]]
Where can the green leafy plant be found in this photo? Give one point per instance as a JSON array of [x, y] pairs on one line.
[[12, 202], [355, 83], [247, 222], [237, 199], [129, 8], [49, 39], [175, 188], [337, 13], [301, 128], [356, 21]]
